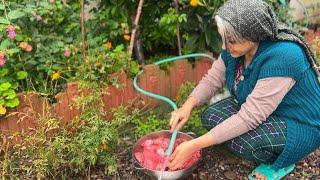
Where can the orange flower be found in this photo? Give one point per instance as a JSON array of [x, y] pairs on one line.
[[15, 134], [2, 63], [10, 28], [194, 3], [23, 45], [29, 48], [108, 45], [177, 97], [126, 37]]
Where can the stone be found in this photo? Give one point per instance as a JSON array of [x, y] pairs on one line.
[[202, 175], [312, 164], [230, 175], [231, 161]]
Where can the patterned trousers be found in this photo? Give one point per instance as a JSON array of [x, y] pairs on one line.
[[261, 145]]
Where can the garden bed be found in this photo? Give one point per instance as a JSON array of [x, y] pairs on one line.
[[216, 163]]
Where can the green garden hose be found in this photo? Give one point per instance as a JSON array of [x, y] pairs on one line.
[[165, 99]]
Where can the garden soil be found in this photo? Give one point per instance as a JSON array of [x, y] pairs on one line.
[[217, 163]]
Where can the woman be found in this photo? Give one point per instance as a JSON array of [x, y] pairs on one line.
[[273, 115]]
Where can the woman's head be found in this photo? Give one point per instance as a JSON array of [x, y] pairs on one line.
[[232, 40], [254, 20]]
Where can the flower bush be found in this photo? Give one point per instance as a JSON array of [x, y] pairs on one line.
[[41, 48], [33, 36]]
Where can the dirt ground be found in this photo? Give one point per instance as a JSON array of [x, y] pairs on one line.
[[218, 163]]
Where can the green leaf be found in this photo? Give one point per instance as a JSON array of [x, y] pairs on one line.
[[21, 75], [15, 14], [14, 85], [191, 42], [12, 102], [7, 79], [5, 44], [14, 50], [2, 7], [2, 102], [56, 67], [3, 72], [19, 37], [207, 34], [69, 39], [134, 67], [5, 86], [4, 21], [32, 62], [60, 44], [9, 94]]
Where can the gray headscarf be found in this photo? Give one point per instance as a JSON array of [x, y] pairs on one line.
[[256, 21]]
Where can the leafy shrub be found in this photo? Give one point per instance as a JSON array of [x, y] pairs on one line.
[[42, 38], [37, 41], [8, 87], [98, 68], [52, 151], [148, 124]]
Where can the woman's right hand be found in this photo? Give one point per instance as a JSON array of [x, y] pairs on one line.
[[179, 117]]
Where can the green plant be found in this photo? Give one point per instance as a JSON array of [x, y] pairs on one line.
[[148, 124], [40, 38], [152, 121], [94, 140], [200, 28], [56, 152], [194, 123], [31, 155], [101, 63], [43, 39], [8, 86]]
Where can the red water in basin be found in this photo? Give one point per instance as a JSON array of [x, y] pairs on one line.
[[153, 153]]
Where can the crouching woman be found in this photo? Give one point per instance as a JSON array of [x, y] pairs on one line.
[[273, 114]]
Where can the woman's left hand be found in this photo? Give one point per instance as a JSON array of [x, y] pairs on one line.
[[181, 154]]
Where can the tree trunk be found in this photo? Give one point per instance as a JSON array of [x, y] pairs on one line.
[[138, 50], [134, 30], [176, 5]]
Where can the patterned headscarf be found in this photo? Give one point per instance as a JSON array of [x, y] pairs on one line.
[[256, 21]]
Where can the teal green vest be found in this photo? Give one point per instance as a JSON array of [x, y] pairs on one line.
[[300, 107]]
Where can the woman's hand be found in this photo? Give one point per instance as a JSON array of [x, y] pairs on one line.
[[178, 118], [186, 149], [181, 154]]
